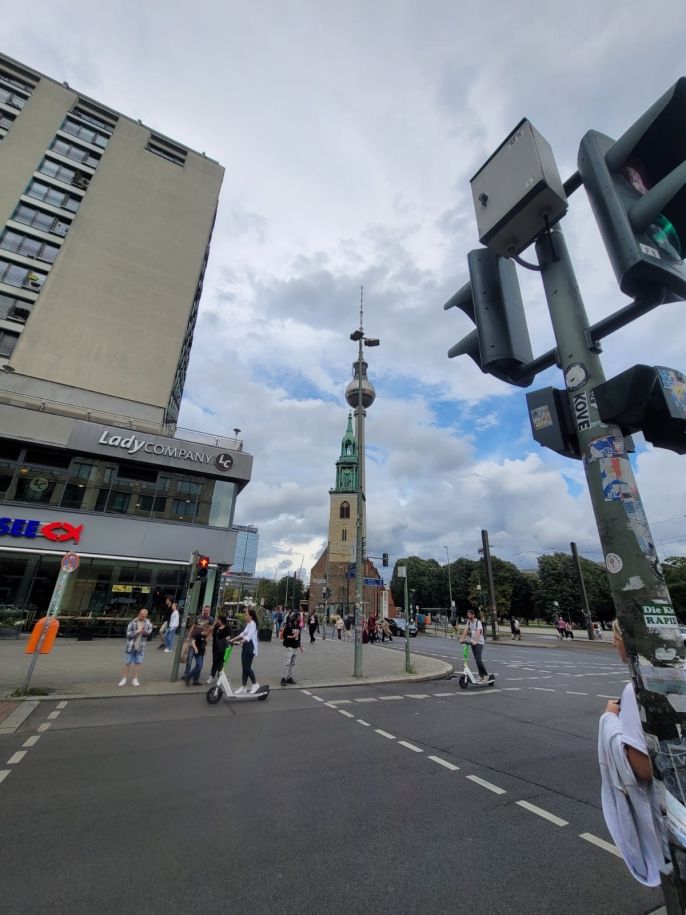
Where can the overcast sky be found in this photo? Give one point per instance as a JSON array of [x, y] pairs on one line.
[[349, 132]]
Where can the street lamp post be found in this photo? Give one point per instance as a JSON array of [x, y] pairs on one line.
[[360, 394], [450, 583]]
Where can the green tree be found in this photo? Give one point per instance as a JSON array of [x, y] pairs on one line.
[[558, 582], [522, 601]]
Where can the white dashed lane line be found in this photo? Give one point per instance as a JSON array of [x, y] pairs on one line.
[[61, 705], [410, 746], [342, 711], [539, 811], [4, 773], [484, 784], [53, 715], [365, 724], [444, 763], [384, 734], [571, 692], [16, 757], [31, 741], [44, 727], [601, 843]]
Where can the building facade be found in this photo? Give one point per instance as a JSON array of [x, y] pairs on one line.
[[245, 552], [332, 585], [105, 227]]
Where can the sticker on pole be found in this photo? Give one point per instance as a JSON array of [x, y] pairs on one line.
[[613, 563], [70, 562], [656, 615]]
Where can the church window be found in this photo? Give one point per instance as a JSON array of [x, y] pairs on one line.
[[344, 534], [345, 510]]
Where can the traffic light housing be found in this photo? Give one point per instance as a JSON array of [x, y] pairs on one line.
[[202, 567], [649, 399], [384, 559], [637, 190], [500, 345]]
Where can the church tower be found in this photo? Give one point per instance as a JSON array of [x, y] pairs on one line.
[[343, 501]]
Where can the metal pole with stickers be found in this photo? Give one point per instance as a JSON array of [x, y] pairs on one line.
[[635, 186]]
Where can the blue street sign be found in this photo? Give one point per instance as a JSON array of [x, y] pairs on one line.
[[374, 582]]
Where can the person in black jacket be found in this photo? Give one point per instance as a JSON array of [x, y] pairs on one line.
[[291, 642], [196, 654], [220, 635]]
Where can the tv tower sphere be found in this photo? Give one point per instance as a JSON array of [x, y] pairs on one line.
[[352, 391]]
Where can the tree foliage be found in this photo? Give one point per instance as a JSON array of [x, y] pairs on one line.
[[558, 583], [674, 570]]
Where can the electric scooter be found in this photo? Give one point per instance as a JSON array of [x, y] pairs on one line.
[[222, 686], [467, 677]]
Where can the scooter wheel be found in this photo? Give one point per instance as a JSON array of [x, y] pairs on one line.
[[263, 697], [491, 682], [463, 681], [214, 694]]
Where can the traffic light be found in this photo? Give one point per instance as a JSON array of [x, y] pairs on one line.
[[203, 566], [500, 344], [384, 559], [637, 189], [649, 399]]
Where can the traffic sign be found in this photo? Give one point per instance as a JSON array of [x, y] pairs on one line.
[[374, 582], [70, 562]]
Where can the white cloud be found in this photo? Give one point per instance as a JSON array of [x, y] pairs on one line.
[[349, 134]]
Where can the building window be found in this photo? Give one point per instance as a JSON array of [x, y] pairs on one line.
[[8, 340], [189, 487], [73, 494], [98, 121], [6, 121], [28, 246], [344, 534], [118, 502], [53, 196], [39, 219], [87, 134], [167, 150], [12, 309], [183, 508], [77, 153], [344, 510], [17, 275], [82, 471], [64, 174], [13, 99], [147, 504]]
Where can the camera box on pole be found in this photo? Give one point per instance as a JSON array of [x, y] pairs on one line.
[[517, 192]]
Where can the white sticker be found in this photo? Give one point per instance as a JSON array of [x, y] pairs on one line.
[[647, 249], [614, 563], [576, 376]]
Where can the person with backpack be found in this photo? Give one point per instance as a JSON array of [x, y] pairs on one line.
[[473, 634]]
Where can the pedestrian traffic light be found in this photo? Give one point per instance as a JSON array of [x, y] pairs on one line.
[[500, 344], [203, 566], [649, 399], [384, 559], [637, 189]]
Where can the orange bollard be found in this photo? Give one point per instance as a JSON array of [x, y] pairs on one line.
[[50, 636]]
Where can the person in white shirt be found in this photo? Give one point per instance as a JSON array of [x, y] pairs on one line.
[[630, 805], [473, 633], [172, 628], [249, 651]]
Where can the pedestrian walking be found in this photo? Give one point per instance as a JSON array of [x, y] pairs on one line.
[[278, 620], [371, 629], [630, 803], [248, 638], [386, 631], [196, 654], [291, 642], [172, 627], [473, 634], [569, 631], [220, 639], [561, 628], [166, 615], [515, 628], [312, 625], [137, 633], [340, 625], [348, 623]]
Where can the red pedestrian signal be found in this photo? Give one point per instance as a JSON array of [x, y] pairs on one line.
[[203, 566]]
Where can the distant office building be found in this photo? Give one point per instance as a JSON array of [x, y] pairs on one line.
[[245, 554], [105, 228]]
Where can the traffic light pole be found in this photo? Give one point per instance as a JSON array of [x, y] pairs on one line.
[[582, 590], [190, 605], [491, 586], [637, 585]]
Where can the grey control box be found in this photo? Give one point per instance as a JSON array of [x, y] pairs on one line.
[[517, 192]]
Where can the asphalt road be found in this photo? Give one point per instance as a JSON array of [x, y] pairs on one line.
[[391, 799]]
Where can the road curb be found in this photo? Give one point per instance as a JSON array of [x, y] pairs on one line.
[[19, 715]]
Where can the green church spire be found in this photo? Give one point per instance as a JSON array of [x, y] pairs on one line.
[[346, 465]]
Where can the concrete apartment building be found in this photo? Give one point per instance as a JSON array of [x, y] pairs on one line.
[[105, 227]]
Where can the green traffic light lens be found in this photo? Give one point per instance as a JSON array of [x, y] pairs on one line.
[[665, 237]]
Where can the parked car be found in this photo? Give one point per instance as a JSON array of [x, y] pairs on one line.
[[397, 625]]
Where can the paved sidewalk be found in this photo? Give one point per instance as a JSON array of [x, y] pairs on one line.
[[92, 669]]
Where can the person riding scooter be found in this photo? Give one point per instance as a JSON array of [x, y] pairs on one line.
[[473, 634]]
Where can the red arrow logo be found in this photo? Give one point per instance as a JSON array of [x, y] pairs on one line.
[[60, 531]]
